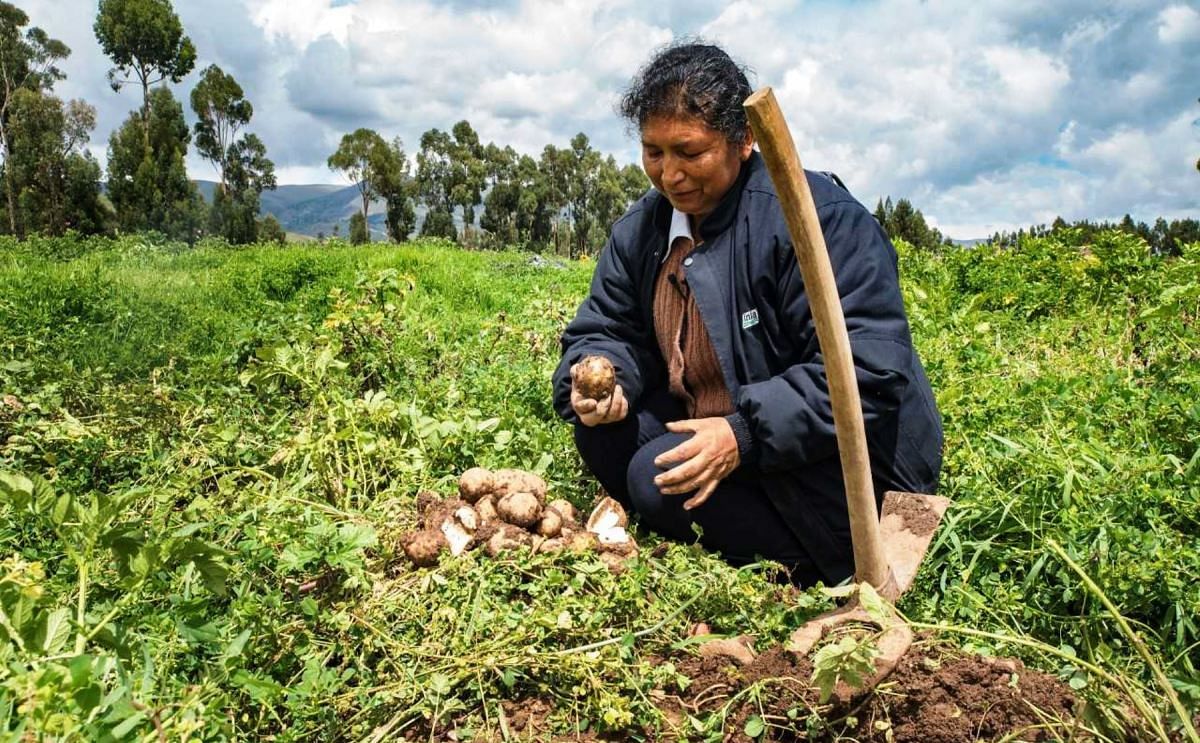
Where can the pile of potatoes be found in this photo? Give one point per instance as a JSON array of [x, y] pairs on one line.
[[505, 509]]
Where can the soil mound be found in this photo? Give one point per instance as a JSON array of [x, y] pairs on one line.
[[933, 696]]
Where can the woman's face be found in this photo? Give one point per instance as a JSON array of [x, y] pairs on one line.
[[691, 163]]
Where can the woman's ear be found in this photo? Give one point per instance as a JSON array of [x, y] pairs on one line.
[[747, 146]]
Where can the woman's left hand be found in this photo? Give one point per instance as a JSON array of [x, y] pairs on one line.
[[707, 458]]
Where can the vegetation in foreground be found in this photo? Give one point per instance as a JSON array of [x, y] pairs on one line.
[[208, 457]]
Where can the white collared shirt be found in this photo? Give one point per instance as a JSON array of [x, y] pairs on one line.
[[681, 226]]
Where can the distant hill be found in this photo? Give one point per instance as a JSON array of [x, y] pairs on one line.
[[313, 209]]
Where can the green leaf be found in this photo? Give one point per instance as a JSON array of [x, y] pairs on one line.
[[213, 573], [356, 536], [126, 727], [199, 634], [873, 604], [80, 668], [259, 689], [16, 488], [236, 645], [543, 463], [755, 726], [87, 698], [63, 507], [58, 630]]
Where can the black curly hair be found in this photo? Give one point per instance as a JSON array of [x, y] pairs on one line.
[[690, 77]]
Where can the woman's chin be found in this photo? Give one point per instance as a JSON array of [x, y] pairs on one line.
[[687, 203]]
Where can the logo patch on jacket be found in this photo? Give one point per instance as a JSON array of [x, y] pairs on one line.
[[749, 319]]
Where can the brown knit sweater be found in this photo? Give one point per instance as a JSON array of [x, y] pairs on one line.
[[694, 373]]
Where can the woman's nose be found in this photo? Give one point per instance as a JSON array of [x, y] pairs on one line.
[[672, 173]]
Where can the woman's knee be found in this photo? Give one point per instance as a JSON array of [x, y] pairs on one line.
[[660, 513]]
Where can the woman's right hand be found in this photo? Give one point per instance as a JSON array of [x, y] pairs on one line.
[[591, 412]]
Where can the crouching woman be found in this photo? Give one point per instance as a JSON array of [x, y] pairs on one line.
[[721, 416]]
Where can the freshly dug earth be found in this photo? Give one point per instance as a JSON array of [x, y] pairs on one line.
[[933, 696]]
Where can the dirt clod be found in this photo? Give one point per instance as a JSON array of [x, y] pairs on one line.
[[917, 515]]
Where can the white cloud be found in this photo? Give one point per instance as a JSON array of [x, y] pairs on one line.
[[300, 22], [1178, 23], [1030, 78]]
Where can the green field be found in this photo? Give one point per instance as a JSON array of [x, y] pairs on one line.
[[207, 457]]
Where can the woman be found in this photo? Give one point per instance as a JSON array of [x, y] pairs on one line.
[[721, 418]]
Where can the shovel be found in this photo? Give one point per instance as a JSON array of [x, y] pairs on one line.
[[888, 550]]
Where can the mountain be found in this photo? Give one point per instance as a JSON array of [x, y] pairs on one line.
[[312, 209]]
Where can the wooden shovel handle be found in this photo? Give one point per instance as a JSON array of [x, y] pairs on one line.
[[795, 198]]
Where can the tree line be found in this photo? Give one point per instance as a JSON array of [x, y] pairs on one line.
[[565, 200], [479, 194], [1163, 237]]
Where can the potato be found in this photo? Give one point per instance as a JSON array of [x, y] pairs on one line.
[[520, 509], [617, 541], [474, 484], [512, 481], [551, 524], [438, 511], [506, 537], [486, 508], [554, 544], [581, 541], [606, 515], [423, 547], [567, 510], [594, 377], [459, 529]]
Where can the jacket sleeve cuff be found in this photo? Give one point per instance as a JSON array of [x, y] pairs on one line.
[[747, 451]]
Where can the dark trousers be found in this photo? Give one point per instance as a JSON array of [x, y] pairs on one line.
[[738, 520]]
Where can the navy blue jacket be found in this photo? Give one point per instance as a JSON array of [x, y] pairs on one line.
[[747, 285]]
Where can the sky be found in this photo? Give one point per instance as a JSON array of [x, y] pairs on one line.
[[987, 114]]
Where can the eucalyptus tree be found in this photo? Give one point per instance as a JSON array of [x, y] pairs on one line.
[[248, 172], [58, 181], [148, 184], [221, 110], [145, 40], [394, 182], [435, 179], [245, 171], [27, 62], [468, 171], [355, 157]]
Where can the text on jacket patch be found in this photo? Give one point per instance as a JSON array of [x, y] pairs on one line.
[[749, 319]]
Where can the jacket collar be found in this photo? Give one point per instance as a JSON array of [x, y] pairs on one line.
[[723, 215]]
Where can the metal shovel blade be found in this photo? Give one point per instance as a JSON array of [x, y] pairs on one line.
[[907, 525]]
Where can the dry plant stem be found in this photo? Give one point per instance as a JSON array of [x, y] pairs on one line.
[[1159, 676], [1139, 701], [649, 630], [640, 633]]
